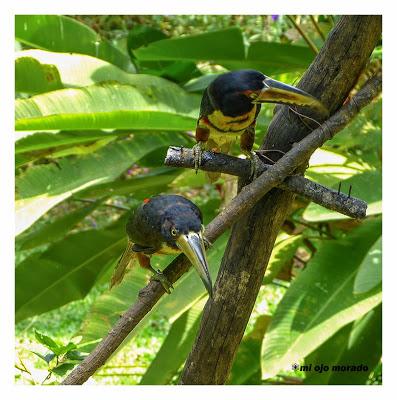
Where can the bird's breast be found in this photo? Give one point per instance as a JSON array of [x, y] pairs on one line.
[[222, 124]]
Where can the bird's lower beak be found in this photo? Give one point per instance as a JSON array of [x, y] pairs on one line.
[[192, 245], [281, 93]]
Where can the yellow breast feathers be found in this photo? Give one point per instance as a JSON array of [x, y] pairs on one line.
[[224, 124]]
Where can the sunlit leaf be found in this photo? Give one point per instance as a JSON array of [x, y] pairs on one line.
[[75, 70], [33, 77], [110, 106], [369, 274], [63, 34]]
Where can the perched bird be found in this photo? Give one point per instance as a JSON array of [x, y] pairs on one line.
[[167, 224], [230, 106]]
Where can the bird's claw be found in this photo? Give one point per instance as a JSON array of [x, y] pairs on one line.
[[197, 154], [207, 243], [254, 164], [160, 277]]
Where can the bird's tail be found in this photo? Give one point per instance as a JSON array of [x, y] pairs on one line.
[[121, 268], [212, 176], [220, 146]]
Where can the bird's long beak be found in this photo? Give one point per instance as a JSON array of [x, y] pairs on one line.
[[192, 245], [281, 93]]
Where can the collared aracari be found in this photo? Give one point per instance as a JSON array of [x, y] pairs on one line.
[[230, 106], [167, 224]]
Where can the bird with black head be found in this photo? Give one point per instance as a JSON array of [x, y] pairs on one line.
[[230, 106], [166, 224]]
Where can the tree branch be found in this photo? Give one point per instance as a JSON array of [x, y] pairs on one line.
[[219, 162], [274, 176]]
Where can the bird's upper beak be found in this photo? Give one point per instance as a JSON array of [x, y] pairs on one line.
[[192, 245], [281, 93]]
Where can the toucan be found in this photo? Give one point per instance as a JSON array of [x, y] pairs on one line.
[[230, 106], [165, 224]]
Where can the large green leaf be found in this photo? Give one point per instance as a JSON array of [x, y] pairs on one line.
[[66, 271], [331, 167], [63, 34], [320, 301], [328, 354], [42, 187], [369, 274], [366, 186], [175, 347], [33, 77], [358, 343], [155, 104], [71, 71], [216, 46], [364, 347], [274, 58], [222, 45], [177, 71]]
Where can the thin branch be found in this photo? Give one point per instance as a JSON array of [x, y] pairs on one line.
[[219, 162], [317, 27], [242, 203], [306, 38]]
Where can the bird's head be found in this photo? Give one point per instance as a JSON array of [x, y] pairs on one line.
[[235, 93], [182, 228]]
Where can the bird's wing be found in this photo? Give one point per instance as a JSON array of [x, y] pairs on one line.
[[126, 260]]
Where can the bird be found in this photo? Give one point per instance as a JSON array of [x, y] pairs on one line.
[[230, 106], [164, 224]]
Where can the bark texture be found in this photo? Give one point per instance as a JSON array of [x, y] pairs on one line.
[[330, 78]]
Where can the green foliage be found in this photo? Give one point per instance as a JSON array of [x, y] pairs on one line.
[[98, 101], [321, 300], [59, 33], [175, 347], [68, 269], [358, 343], [62, 358], [369, 274]]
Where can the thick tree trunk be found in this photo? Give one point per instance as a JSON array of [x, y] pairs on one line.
[[330, 77]]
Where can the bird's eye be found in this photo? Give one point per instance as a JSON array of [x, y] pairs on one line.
[[174, 232]]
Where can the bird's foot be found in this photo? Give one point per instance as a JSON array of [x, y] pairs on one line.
[[160, 277], [207, 243], [255, 163], [197, 154]]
